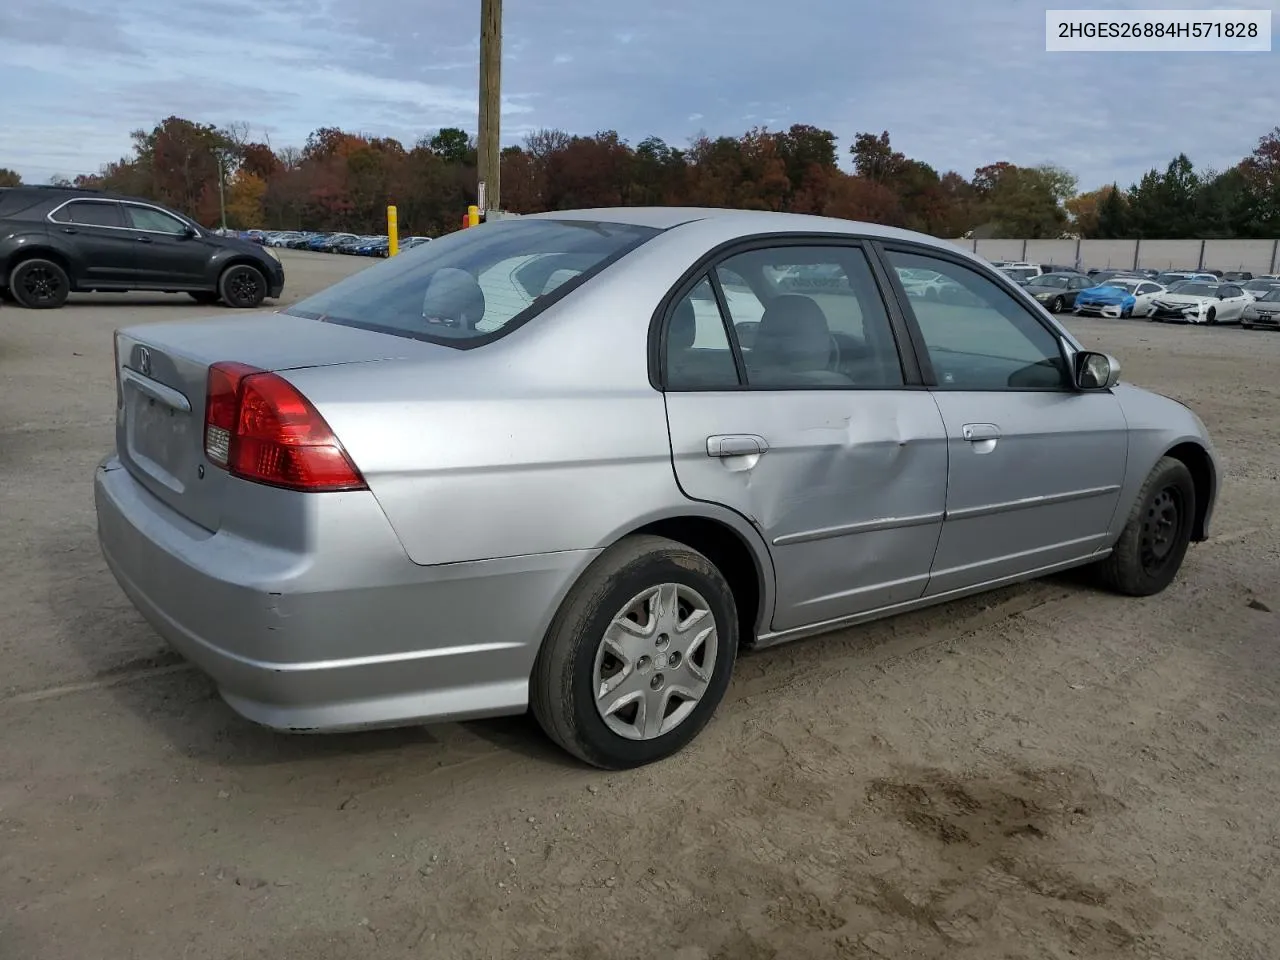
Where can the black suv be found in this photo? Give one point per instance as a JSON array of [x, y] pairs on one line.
[[56, 241]]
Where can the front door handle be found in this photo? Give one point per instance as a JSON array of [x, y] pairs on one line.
[[974, 432], [735, 445], [143, 239], [70, 230]]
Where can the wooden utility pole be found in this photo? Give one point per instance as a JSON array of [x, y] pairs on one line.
[[489, 151]]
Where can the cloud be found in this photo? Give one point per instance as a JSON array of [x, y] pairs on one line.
[[958, 85]]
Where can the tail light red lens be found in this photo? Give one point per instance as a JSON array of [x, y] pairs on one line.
[[260, 428]]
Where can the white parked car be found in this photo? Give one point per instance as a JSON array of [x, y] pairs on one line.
[[1194, 302], [1259, 287]]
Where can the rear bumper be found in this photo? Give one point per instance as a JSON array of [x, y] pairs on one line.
[[346, 633]]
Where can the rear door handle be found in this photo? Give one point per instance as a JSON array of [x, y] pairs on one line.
[[974, 432], [70, 230], [143, 239], [735, 445]]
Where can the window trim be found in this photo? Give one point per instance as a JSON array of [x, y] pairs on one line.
[[98, 200], [899, 329], [121, 204], [1020, 297]]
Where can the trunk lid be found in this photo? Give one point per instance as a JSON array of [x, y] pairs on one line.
[[161, 375]]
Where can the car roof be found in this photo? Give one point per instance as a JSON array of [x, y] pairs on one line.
[[744, 221]]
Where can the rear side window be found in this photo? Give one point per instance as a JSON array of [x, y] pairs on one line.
[[98, 213], [474, 285]]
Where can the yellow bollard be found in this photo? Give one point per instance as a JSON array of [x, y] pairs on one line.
[[473, 215], [393, 232]]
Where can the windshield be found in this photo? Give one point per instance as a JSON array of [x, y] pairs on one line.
[[1021, 274], [1260, 285], [1126, 285], [471, 286], [1050, 281], [1194, 288], [1272, 296]]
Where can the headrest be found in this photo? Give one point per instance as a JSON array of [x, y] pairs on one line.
[[453, 299], [684, 326], [793, 333]]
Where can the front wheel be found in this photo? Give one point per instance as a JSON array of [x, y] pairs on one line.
[[242, 286], [39, 284], [1056, 305], [639, 655], [1155, 538], [1211, 317]]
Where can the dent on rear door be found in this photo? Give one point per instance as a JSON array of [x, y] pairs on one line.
[[849, 496]]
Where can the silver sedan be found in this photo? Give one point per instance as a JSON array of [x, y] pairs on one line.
[[576, 461]]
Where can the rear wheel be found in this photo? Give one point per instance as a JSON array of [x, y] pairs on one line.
[[39, 284], [203, 296], [242, 286], [1155, 538], [639, 655]]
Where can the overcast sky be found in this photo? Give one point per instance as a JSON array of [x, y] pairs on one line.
[[957, 83]]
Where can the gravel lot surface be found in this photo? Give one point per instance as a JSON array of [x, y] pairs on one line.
[[1046, 771]]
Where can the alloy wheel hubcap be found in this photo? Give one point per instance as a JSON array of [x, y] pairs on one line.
[[655, 661], [244, 286], [41, 283]]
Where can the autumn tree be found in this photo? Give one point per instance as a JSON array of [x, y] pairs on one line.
[[9, 178], [1023, 201], [1261, 171]]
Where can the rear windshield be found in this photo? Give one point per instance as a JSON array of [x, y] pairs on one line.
[[474, 285]]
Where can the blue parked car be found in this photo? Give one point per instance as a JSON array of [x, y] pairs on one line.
[[1122, 297]]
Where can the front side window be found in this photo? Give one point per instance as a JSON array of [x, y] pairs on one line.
[[153, 220], [809, 317], [94, 213], [984, 340], [472, 285]]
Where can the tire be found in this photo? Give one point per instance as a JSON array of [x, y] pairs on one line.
[[574, 658], [242, 286], [39, 284], [1211, 317], [1149, 553], [1055, 306], [203, 296]]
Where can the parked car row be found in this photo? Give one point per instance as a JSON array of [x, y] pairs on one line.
[[1183, 296], [348, 243]]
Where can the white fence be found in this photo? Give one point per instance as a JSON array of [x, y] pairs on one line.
[[1256, 256]]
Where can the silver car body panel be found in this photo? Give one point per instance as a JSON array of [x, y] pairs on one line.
[[496, 475]]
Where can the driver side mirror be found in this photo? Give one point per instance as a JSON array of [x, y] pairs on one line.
[[1096, 371], [190, 232]]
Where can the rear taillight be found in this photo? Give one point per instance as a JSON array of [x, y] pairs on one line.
[[260, 428]]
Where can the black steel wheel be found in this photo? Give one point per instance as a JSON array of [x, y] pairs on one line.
[[39, 284], [1155, 538], [242, 286]]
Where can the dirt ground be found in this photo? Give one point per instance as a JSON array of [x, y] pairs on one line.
[[1047, 771]]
